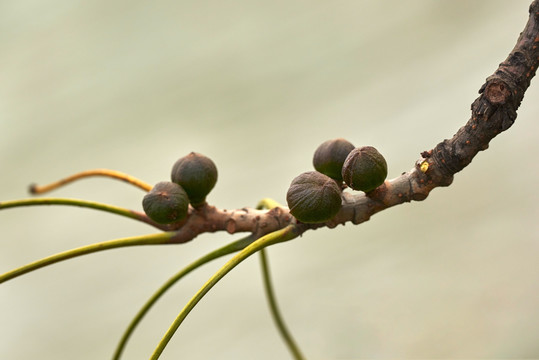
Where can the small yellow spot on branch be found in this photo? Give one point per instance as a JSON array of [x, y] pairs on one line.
[[424, 166]]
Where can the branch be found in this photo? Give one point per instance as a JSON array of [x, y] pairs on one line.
[[493, 112], [211, 219]]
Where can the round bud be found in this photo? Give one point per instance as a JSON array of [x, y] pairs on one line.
[[166, 202], [197, 174], [364, 169], [313, 197], [330, 155]]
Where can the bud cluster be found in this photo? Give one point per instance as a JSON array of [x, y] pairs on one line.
[[315, 196], [193, 177]]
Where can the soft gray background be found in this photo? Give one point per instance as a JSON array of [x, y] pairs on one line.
[[257, 85]]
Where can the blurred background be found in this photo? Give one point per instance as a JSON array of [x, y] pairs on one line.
[[257, 86]]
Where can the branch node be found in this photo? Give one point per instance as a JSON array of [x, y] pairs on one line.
[[497, 92]]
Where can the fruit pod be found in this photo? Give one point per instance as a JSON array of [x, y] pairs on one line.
[[364, 169], [166, 203], [330, 155], [197, 174], [314, 197]]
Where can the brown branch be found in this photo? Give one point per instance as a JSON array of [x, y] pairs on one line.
[[211, 219], [493, 111]]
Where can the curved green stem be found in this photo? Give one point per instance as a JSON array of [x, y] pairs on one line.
[[154, 239], [225, 250], [272, 301], [281, 326], [288, 233], [77, 202]]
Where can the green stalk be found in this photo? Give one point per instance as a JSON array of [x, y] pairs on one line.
[[76, 202], [154, 239], [225, 250], [270, 294], [288, 233], [274, 309]]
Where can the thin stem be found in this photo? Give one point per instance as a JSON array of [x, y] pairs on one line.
[[225, 250], [288, 233], [81, 203], [281, 326], [37, 189], [154, 239], [270, 294]]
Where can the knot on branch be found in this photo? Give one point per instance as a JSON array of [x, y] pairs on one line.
[[497, 105], [497, 92]]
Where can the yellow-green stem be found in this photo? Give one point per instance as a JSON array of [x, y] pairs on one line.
[[272, 301], [225, 250], [77, 202], [154, 239], [274, 309], [288, 233]]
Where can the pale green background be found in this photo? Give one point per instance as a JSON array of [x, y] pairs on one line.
[[257, 85]]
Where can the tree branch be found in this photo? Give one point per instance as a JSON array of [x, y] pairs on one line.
[[493, 112]]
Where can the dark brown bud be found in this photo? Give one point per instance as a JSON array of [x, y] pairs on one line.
[[364, 169], [166, 203], [330, 155], [313, 197], [197, 174]]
